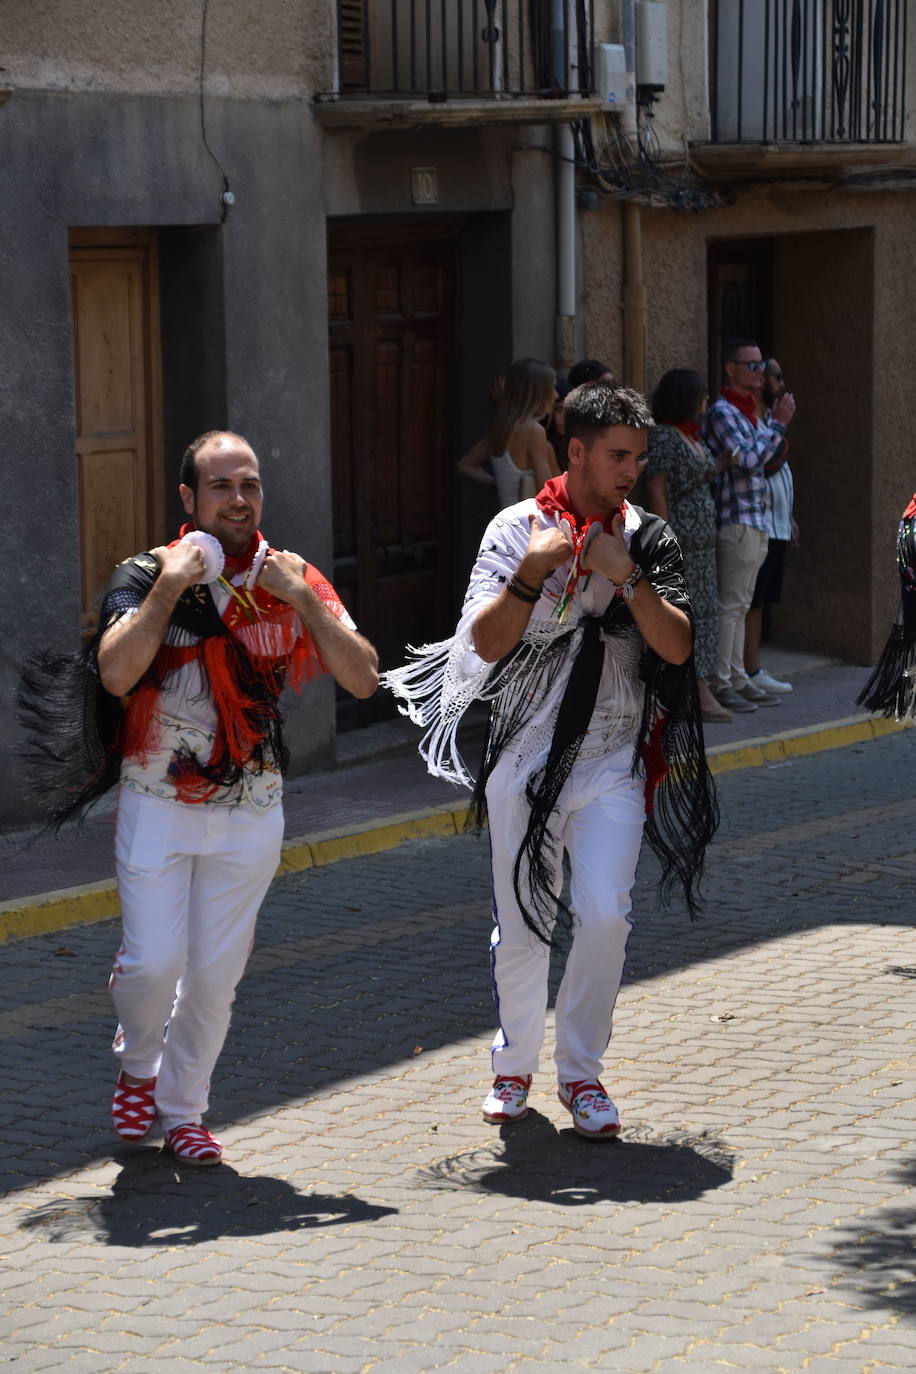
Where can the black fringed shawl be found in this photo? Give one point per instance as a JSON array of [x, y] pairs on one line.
[[681, 807], [891, 687], [75, 729]]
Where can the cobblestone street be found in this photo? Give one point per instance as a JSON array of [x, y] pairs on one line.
[[758, 1211]]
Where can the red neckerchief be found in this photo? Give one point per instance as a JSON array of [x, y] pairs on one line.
[[746, 404], [265, 606], [553, 499], [690, 429]]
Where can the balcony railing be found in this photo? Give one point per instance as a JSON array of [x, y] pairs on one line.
[[438, 50], [801, 71]]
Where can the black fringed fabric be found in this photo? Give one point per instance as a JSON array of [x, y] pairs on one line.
[[681, 808], [72, 726], [891, 689]]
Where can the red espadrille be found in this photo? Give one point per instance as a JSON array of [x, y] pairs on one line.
[[133, 1108], [193, 1144]]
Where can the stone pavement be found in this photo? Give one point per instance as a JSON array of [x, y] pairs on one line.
[[758, 1211]]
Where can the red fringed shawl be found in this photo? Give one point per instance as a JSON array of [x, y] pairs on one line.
[[247, 655]]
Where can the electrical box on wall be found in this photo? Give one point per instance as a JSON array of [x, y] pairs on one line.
[[651, 45], [612, 84]]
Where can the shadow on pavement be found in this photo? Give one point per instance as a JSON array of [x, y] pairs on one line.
[[156, 1201], [877, 1257], [541, 1164]]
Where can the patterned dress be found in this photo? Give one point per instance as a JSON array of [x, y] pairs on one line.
[[692, 516]]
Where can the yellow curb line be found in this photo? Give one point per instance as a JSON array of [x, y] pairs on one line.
[[50, 911], [809, 739]]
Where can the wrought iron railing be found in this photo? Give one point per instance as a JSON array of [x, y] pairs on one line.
[[448, 49], [804, 71]]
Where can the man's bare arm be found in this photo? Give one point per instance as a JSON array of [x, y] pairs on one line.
[[501, 624], [349, 657], [128, 648], [664, 627]]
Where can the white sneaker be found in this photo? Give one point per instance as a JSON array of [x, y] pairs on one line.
[[763, 680], [507, 1100], [592, 1111]]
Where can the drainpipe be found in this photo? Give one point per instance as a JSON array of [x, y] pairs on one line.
[[628, 113], [565, 341], [633, 303], [565, 193]]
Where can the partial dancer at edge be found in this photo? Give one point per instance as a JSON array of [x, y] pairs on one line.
[[891, 689], [576, 630], [177, 699]]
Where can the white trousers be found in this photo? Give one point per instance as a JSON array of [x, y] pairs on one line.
[[599, 821], [740, 550], [191, 880]]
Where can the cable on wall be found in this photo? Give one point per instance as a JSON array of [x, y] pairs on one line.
[[227, 197]]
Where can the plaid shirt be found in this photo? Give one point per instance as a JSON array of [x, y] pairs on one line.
[[740, 490]]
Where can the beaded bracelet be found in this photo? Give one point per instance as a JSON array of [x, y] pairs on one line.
[[522, 596], [535, 591], [625, 589]]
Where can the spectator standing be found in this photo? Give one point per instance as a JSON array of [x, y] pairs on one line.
[[678, 488], [781, 530], [556, 426], [742, 445], [589, 370], [516, 444]]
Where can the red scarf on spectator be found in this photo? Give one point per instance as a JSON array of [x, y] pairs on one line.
[[690, 429], [746, 404]]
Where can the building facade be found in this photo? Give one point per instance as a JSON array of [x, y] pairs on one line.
[[329, 226]]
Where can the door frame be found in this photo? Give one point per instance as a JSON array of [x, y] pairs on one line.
[[92, 244]]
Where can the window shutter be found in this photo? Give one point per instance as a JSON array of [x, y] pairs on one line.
[[352, 45]]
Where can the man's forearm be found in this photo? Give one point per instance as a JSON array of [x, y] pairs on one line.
[[350, 658], [129, 647], [501, 624], [664, 627]]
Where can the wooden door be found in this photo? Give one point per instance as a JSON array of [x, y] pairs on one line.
[[116, 386], [739, 281], [391, 313]]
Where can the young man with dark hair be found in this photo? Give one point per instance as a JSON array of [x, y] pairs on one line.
[[743, 443], [576, 630], [195, 643]]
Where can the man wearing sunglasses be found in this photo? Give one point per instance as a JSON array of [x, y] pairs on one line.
[[742, 443]]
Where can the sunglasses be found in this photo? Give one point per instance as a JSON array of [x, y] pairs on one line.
[[757, 365]]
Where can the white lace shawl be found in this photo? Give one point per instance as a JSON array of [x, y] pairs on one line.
[[440, 681]]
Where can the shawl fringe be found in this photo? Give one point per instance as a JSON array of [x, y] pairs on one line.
[[891, 689]]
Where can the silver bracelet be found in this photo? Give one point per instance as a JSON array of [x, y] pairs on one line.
[[625, 589]]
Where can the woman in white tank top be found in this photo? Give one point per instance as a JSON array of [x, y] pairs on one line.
[[517, 446]]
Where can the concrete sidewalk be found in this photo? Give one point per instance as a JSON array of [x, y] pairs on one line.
[[371, 804]]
